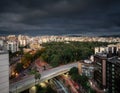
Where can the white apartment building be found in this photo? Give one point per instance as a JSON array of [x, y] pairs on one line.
[[100, 49], [13, 46], [22, 40], [1, 43], [112, 48], [4, 72]]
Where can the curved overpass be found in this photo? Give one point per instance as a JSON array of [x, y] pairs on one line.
[[28, 82]]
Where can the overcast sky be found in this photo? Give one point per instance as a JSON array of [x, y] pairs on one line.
[[58, 17]]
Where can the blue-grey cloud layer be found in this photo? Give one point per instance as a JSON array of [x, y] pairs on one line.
[[40, 17]]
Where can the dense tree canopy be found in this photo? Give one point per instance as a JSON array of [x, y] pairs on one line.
[[19, 67], [73, 71], [56, 53], [26, 60]]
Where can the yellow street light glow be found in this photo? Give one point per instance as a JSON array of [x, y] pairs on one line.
[[46, 81], [33, 90], [16, 74], [13, 73], [66, 75], [42, 84]]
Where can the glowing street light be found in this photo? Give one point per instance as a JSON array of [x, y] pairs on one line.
[[33, 89]]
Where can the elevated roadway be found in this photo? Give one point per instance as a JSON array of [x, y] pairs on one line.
[[29, 81]]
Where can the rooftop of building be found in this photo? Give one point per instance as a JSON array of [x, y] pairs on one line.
[[114, 59], [101, 55], [84, 64]]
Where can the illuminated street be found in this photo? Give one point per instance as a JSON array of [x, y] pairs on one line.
[[29, 81]]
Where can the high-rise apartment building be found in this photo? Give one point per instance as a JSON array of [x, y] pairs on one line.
[[100, 73], [108, 68], [113, 75], [4, 72]]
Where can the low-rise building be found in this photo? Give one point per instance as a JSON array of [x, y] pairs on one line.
[[86, 69]]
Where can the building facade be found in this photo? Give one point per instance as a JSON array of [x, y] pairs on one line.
[[86, 69], [100, 73], [22, 40], [1, 43], [13, 46], [113, 75], [110, 50], [4, 72], [108, 68]]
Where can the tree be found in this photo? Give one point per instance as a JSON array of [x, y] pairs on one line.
[[26, 60], [73, 70], [75, 77], [19, 67], [62, 53], [39, 53], [55, 60], [36, 74], [28, 56]]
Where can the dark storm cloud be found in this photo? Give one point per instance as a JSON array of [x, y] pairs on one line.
[[52, 6], [59, 15]]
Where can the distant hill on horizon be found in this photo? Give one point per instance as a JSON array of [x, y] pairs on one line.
[[110, 36]]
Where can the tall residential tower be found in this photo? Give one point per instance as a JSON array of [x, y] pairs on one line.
[[4, 72]]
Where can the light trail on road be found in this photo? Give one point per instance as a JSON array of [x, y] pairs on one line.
[[59, 86]]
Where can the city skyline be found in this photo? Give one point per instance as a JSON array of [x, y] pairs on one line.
[[60, 17]]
